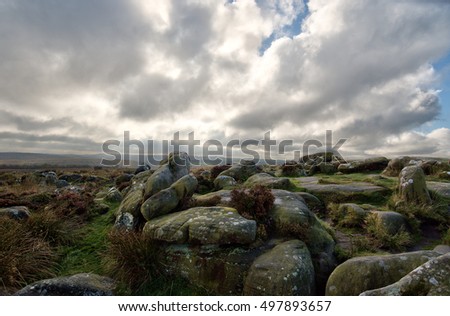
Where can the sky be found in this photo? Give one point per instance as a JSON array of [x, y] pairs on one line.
[[76, 73]]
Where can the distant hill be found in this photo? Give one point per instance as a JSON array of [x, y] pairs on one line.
[[32, 160]]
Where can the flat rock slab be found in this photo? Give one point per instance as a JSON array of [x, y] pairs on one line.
[[443, 188], [348, 192], [203, 225], [83, 284]]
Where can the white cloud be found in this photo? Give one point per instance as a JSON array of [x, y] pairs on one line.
[[361, 68]]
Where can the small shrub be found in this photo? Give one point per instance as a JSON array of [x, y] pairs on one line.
[[23, 257], [255, 204], [132, 258], [216, 170], [382, 238]]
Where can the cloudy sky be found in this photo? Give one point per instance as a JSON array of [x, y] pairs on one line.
[[76, 73]]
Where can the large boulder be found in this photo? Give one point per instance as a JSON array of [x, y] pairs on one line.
[[268, 181], [395, 166], [242, 171], [84, 284], [349, 215], [393, 222], [431, 278], [412, 186], [366, 165], [113, 195], [176, 166], [287, 269], [16, 212], [292, 217], [203, 225], [224, 182], [217, 269], [360, 274], [167, 200]]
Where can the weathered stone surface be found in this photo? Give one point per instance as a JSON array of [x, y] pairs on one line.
[[84, 284], [442, 188], [431, 278], [412, 186], [442, 249], [126, 221], [366, 165], [113, 195], [220, 270], [224, 182], [393, 222], [287, 269], [61, 184], [360, 274], [16, 212], [132, 202], [313, 202], [167, 200], [291, 217], [395, 166], [242, 171], [340, 193], [203, 225], [268, 181], [175, 167], [327, 168]]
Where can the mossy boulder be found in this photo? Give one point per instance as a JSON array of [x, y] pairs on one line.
[[217, 269], [268, 181], [287, 269], [224, 182], [132, 203], [167, 200], [203, 225], [412, 186], [393, 222], [172, 169], [430, 279], [360, 274], [292, 217], [242, 171], [366, 165], [395, 166]]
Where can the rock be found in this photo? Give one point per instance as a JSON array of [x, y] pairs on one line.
[[442, 188], [395, 166], [132, 203], [349, 215], [126, 221], [141, 169], [287, 269], [241, 172], [442, 249], [393, 222], [268, 181], [317, 158], [360, 274], [71, 177], [167, 200], [220, 270], [61, 184], [113, 195], [313, 202], [172, 169], [203, 225], [445, 175], [432, 167], [292, 169], [124, 178], [161, 203], [224, 196], [16, 212], [431, 279], [355, 192], [84, 284], [366, 165], [292, 218], [327, 168], [412, 186], [224, 182]]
